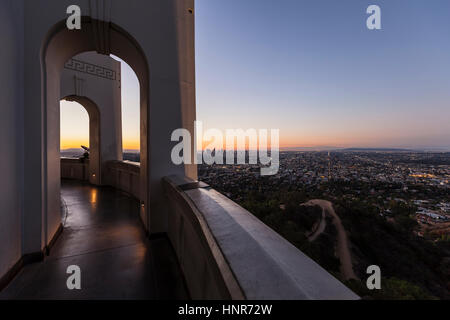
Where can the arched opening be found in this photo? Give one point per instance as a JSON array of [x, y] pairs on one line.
[[92, 173], [130, 96], [37, 48], [61, 45]]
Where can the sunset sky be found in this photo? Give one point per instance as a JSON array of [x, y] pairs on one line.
[[75, 120], [313, 70], [74, 125]]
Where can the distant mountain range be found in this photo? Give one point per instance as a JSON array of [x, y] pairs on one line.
[[317, 148], [131, 151], [72, 153], [377, 150], [133, 155], [339, 149]]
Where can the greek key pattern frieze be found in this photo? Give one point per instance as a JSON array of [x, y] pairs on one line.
[[89, 68]]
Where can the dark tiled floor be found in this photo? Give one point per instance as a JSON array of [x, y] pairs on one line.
[[104, 237]]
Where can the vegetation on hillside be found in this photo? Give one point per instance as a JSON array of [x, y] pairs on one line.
[[412, 267]]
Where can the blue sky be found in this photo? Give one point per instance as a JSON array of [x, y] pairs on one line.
[[313, 70], [130, 106]]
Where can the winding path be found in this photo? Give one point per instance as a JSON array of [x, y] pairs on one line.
[[321, 227], [342, 247]]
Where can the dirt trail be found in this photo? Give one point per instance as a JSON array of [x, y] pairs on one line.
[[320, 228], [342, 248]]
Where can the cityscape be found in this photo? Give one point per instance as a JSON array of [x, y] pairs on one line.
[[394, 206]]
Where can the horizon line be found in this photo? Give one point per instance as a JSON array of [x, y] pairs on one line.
[[415, 148]]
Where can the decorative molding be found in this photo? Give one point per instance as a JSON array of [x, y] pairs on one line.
[[89, 68], [26, 259], [55, 237], [29, 258]]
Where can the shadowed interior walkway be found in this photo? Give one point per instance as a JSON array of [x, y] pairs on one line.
[[104, 237]]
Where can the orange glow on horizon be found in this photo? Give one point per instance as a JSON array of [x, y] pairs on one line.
[[73, 143], [131, 144], [75, 128]]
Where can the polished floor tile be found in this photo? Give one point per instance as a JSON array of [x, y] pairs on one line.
[[104, 237]]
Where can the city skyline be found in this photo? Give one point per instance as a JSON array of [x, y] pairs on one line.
[[316, 72]]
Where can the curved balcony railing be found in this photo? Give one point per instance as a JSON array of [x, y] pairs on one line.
[[226, 252], [123, 175], [77, 169]]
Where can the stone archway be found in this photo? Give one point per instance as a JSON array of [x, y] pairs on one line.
[[159, 34], [62, 44], [95, 159]]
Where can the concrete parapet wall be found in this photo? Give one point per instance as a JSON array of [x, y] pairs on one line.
[[76, 169], [123, 175], [226, 252]]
